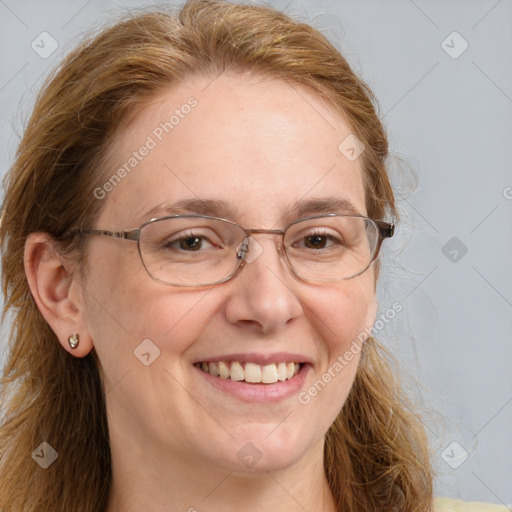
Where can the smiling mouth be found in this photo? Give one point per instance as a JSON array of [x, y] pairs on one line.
[[251, 373]]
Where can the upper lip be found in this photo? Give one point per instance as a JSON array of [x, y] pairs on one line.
[[257, 358]]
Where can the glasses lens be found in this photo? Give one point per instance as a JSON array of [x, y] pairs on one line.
[[330, 248], [190, 251]]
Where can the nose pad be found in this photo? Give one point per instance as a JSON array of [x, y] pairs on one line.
[[249, 250], [241, 250]]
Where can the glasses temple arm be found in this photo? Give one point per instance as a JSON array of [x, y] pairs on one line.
[[386, 229], [127, 235]]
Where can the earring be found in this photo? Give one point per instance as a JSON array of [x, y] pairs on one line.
[[74, 340]]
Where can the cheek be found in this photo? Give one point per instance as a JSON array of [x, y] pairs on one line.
[[340, 314], [344, 312], [170, 319], [125, 307]]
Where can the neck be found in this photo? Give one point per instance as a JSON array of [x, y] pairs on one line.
[[145, 480]]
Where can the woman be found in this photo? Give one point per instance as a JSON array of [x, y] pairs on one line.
[[190, 239]]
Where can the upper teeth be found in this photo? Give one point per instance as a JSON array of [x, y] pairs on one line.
[[251, 372]]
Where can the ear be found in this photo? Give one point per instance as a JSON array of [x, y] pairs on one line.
[[58, 295]]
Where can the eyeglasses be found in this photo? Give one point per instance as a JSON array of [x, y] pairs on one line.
[[199, 250]]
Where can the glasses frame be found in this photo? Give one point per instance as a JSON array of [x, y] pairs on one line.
[[384, 230]]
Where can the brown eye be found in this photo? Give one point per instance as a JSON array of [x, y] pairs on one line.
[[315, 241], [190, 243], [318, 241]]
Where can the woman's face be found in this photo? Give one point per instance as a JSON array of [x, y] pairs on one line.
[[265, 151]]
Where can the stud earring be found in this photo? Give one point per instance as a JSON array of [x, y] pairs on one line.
[[74, 340]]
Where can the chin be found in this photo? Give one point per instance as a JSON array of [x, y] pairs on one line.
[[269, 449]]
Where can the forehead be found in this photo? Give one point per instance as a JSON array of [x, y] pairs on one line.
[[260, 146]]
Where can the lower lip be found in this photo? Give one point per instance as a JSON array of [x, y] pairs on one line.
[[259, 392]]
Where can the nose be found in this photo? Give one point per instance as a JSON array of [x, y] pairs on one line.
[[263, 295]]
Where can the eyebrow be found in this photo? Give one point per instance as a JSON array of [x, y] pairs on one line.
[[211, 207], [220, 208], [324, 205]]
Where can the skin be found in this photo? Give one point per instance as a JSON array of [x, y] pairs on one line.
[[261, 146]]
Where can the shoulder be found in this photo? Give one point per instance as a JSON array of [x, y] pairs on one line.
[[448, 505]]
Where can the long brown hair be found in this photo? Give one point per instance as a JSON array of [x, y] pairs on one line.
[[376, 456]]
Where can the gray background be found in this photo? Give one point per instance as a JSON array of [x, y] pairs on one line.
[[449, 115]]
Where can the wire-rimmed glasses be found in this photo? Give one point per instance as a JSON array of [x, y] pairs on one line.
[[200, 250]]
